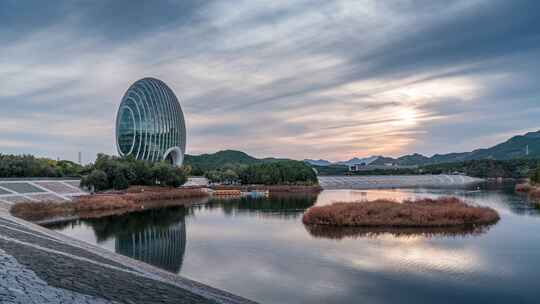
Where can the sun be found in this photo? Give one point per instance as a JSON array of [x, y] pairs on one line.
[[407, 116]]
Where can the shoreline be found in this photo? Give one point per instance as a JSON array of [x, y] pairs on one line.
[[532, 190], [106, 204], [271, 188], [134, 199]]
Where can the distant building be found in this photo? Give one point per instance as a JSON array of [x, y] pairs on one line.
[[357, 167], [150, 123]]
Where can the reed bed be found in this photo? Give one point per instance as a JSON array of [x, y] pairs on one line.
[[441, 212], [91, 206], [533, 190], [37, 211], [526, 187], [534, 193]]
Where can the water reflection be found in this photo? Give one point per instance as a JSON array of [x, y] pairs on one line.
[[259, 248], [161, 247], [285, 206], [156, 237], [338, 233]]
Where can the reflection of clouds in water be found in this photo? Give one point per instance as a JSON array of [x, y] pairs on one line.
[[403, 250], [421, 258], [412, 255], [331, 196], [338, 233]]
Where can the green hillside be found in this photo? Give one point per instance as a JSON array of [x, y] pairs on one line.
[[226, 158], [514, 148]]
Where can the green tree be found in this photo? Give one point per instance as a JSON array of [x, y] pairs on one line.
[[97, 180], [120, 182], [286, 172], [177, 178]]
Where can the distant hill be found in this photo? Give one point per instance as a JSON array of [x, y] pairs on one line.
[[515, 147], [350, 162], [521, 146], [216, 160], [356, 160], [213, 161], [382, 160], [319, 162]]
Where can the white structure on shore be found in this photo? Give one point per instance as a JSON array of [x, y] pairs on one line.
[[395, 181], [38, 190]]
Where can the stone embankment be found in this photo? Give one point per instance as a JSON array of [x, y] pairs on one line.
[[41, 266]]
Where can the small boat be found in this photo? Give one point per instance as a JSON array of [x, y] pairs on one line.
[[227, 192]]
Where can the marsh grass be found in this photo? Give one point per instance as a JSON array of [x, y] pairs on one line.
[[441, 212], [91, 206], [526, 187]]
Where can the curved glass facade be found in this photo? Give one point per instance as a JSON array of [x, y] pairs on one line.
[[150, 123]]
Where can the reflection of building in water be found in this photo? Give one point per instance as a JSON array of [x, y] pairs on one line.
[[162, 247]]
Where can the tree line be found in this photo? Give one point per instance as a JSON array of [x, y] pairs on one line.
[[111, 172], [284, 172], [31, 166]]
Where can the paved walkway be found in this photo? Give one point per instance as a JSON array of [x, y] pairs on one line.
[[41, 266]]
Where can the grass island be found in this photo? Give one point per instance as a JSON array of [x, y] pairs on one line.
[[425, 212]]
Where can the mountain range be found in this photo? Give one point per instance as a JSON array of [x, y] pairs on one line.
[[521, 146]]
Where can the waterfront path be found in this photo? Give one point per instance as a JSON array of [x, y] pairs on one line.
[[38, 265]]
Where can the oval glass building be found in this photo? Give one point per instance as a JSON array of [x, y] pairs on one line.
[[150, 124]]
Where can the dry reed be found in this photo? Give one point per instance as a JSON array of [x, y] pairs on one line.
[[88, 206], [441, 212], [523, 187]]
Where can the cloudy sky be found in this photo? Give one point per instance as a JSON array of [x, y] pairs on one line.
[[299, 79]]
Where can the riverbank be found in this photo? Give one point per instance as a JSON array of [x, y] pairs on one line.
[[533, 190], [271, 188], [441, 212], [105, 204]]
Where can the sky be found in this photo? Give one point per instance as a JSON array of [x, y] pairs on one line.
[[298, 79]]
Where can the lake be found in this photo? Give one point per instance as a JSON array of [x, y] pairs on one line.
[[259, 249]]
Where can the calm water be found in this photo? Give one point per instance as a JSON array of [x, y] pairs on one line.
[[261, 250]]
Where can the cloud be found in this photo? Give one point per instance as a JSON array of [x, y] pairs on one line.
[[298, 79]]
